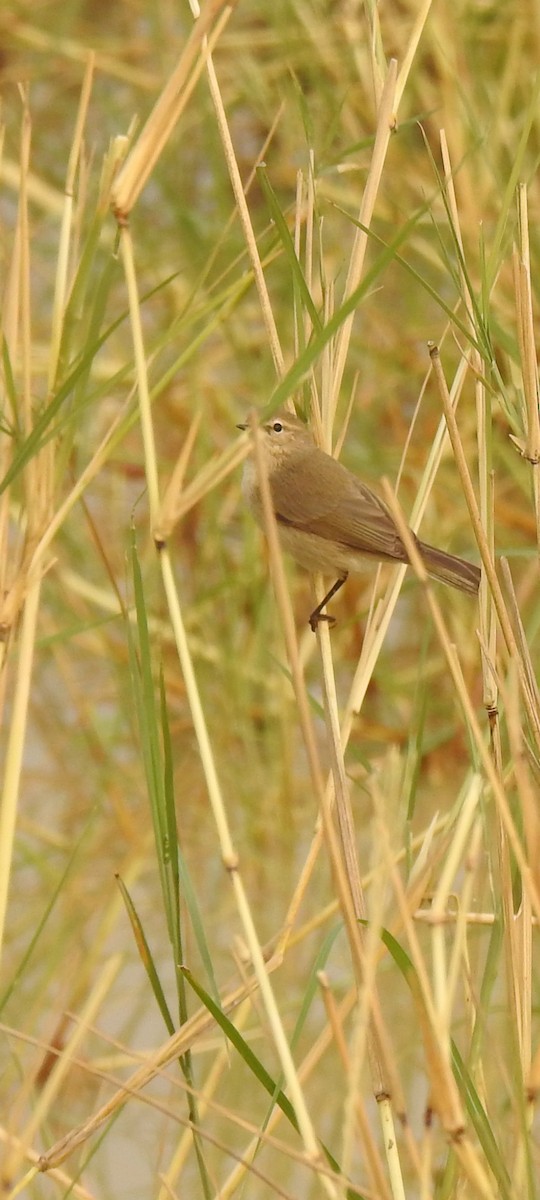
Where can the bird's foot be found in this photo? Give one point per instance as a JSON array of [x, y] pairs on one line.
[[316, 617]]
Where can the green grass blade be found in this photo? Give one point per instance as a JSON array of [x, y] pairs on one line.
[[146, 956]]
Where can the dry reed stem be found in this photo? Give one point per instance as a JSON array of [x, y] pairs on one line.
[[59, 1177], [54, 44], [487, 623], [209, 477], [245, 219], [167, 110], [444, 992], [444, 1094], [341, 787], [168, 513], [465, 701], [230, 861], [381, 614], [15, 747], [526, 786], [42, 195], [260, 1135], [143, 391], [49, 1093], [201, 1023], [459, 957], [468, 491], [376, 50], [385, 124], [369, 1011], [369, 1000], [368, 1034], [414, 41], [219, 1065], [519, 925], [193, 1031], [526, 338], [519, 631], [36, 485], [37, 564], [311, 1060], [23, 306], [66, 227]]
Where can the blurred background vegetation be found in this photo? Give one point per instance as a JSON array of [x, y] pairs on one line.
[[297, 79]]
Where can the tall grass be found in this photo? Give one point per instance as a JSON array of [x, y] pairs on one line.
[[268, 901]]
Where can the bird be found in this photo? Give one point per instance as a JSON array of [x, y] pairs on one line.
[[330, 521]]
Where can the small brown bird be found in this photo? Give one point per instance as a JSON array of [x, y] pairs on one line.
[[327, 519]]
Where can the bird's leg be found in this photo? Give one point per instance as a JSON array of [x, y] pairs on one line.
[[317, 614]]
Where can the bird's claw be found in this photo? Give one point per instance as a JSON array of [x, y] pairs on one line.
[[317, 616]]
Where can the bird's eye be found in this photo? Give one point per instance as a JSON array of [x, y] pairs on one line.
[[277, 427]]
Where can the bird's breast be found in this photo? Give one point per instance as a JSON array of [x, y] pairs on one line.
[[250, 488]]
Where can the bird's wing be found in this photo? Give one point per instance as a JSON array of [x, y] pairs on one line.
[[331, 502]]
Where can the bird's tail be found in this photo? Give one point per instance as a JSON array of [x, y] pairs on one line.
[[447, 568]]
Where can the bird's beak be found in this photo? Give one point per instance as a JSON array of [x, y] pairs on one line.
[[242, 425]]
